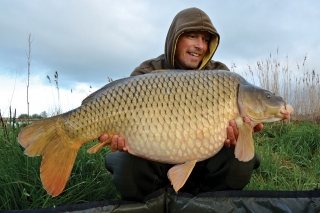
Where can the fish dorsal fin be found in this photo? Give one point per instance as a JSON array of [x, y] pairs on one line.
[[97, 93], [89, 97], [244, 150], [179, 174]]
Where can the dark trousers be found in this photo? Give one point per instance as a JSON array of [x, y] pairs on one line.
[[135, 177]]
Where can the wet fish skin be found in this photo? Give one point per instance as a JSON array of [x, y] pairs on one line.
[[177, 117]]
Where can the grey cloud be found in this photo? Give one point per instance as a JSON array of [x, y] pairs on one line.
[[89, 41]]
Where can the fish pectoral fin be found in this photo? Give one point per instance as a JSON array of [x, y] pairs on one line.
[[179, 174], [244, 150], [99, 146]]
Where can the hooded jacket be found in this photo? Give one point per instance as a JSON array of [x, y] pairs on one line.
[[191, 19]]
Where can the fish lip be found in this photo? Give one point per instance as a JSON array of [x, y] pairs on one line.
[[286, 111]]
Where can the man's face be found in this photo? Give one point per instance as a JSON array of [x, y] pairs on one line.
[[191, 48]]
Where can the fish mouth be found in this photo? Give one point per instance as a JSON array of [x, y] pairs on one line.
[[285, 111]]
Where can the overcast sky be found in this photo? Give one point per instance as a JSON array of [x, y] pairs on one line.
[[88, 41]]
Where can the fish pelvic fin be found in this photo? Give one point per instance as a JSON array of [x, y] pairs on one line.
[[94, 149], [179, 174], [244, 150], [44, 137]]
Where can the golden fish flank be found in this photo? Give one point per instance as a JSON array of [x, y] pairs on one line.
[[177, 117]]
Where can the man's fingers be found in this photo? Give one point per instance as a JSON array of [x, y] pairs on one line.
[[230, 134], [258, 127], [227, 143], [235, 131], [231, 137], [103, 137], [248, 120], [114, 143], [121, 143]]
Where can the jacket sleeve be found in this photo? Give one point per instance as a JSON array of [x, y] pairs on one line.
[[216, 65]]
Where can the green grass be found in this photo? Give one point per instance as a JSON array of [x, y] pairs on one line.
[[20, 183], [290, 155]]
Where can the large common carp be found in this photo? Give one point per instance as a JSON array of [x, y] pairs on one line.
[[177, 117]]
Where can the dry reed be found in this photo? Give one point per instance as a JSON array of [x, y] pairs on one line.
[[299, 87]]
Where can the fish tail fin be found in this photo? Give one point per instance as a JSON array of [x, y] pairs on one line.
[[44, 137], [244, 150]]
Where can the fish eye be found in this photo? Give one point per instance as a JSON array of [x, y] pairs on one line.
[[268, 95]]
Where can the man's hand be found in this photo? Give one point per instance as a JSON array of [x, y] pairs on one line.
[[233, 133], [117, 142]]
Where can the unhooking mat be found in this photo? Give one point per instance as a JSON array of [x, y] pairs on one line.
[[213, 202]]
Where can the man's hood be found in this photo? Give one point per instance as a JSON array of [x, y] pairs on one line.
[[191, 19]]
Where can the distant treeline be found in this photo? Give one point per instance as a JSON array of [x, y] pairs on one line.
[[34, 116]]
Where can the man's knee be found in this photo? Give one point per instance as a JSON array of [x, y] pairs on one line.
[[240, 172], [135, 177], [120, 164]]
